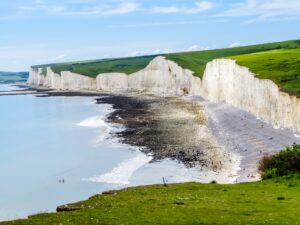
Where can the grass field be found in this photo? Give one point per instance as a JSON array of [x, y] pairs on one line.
[[195, 61], [281, 66], [274, 201], [95, 67]]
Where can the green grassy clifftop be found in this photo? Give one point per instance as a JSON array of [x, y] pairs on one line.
[[195, 61], [278, 61], [274, 201], [93, 68], [281, 66]]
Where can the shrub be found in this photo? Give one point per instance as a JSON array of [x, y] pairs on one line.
[[284, 163]]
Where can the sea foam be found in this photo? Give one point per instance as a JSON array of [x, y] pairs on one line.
[[122, 173], [97, 122]]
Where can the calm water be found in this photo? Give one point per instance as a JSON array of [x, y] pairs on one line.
[[44, 140]]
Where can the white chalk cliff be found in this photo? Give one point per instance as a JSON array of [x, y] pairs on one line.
[[223, 81], [161, 76]]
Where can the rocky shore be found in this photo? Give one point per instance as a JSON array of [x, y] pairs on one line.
[[214, 136], [170, 128]]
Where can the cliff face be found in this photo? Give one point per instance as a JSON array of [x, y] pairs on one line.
[[165, 77], [161, 76], [35, 78], [223, 81], [64, 81]]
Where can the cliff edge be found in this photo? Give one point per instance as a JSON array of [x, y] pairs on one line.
[[223, 81]]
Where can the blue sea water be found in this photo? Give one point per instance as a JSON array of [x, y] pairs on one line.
[[46, 140]]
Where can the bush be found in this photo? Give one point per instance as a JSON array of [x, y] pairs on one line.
[[284, 163]]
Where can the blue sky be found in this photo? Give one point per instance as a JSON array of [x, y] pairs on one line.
[[44, 31]]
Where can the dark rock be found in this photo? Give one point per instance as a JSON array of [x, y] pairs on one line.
[[67, 208]]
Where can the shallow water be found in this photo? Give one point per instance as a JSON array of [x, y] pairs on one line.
[[45, 140]]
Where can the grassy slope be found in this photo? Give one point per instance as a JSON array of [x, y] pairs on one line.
[[196, 61], [187, 203], [95, 67], [281, 66]]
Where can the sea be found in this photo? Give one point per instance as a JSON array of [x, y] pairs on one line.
[[59, 150]]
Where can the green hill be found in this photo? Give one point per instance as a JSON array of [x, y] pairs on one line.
[[92, 68], [278, 61], [10, 77], [281, 66], [195, 61]]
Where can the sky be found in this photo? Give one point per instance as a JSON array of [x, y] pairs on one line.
[[48, 31]]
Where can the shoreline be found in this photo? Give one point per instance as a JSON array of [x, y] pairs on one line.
[[247, 136], [235, 139], [241, 137], [171, 128], [165, 128]]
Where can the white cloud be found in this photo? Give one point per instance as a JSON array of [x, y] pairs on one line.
[[123, 9], [138, 53], [108, 8], [264, 9], [150, 52], [194, 48], [59, 57], [160, 51], [235, 44], [168, 9], [200, 6], [78, 8]]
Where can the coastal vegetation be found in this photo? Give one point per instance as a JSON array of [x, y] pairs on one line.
[[272, 201], [93, 68], [286, 162], [281, 66], [279, 61], [196, 61]]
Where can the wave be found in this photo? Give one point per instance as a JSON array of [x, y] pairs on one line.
[[122, 173], [97, 122]]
